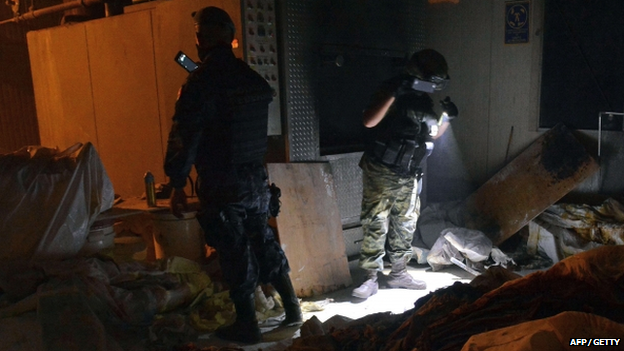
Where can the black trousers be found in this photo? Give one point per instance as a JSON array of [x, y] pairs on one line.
[[234, 215]]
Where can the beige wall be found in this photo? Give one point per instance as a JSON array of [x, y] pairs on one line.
[[496, 87]]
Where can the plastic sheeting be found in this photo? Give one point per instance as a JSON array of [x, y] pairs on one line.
[[566, 229], [433, 220], [91, 303], [456, 245], [49, 200], [603, 224], [96, 303]]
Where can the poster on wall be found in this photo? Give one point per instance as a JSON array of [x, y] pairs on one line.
[[517, 22]]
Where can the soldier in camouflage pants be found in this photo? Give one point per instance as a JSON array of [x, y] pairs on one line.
[[390, 209], [403, 126]]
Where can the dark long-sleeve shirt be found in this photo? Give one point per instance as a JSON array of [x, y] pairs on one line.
[[220, 118]]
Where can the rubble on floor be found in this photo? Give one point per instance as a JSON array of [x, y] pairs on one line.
[[589, 282], [95, 303], [165, 306], [562, 230]]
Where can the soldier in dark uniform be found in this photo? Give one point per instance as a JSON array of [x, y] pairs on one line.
[[403, 125], [220, 127]]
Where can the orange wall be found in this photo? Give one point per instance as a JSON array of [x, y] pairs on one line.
[[113, 82]]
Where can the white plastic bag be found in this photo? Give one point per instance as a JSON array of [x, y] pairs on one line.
[[459, 243], [49, 200]]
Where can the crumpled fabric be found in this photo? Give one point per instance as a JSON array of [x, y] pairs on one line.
[[603, 224], [553, 333], [589, 281], [103, 298]]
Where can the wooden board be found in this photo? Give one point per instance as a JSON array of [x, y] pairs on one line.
[[309, 227], [546, 171]]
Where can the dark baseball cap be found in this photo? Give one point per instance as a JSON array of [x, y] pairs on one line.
[[213, 15]]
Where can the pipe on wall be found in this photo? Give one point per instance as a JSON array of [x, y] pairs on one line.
[[52, 9]]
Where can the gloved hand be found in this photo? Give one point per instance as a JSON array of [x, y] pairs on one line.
[[274, 201], [449, 108], [403, 85], [178, 203]]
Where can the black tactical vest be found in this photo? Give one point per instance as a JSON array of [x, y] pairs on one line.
[[237, 100], [399, 141]]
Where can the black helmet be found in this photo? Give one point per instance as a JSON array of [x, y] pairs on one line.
[[429, 65], [213, 15]]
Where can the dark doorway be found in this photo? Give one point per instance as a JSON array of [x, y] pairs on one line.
[[583, 63]]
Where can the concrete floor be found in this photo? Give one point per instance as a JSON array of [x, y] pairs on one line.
[[340, 303]]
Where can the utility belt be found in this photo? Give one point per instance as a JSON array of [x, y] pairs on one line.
[[403, 156]]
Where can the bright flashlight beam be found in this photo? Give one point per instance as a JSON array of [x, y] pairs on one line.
[[447, 170]]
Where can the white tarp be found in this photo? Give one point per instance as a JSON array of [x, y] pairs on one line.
[[49, 200]]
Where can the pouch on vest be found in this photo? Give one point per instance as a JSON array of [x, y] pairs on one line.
[[406, 154], [387, 153], [396, 154]]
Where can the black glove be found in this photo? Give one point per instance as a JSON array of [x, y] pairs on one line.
[[403, 85], [449, 108], [274, 202]]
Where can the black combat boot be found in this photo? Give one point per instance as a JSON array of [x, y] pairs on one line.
[[399, 278], [245, 329], [283, 286]]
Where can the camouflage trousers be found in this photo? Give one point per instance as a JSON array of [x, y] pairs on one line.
[[390, 210]]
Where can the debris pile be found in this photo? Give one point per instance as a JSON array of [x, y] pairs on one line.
[[117, 306], [589, 282]]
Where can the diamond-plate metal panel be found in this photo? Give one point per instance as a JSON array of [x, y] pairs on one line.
[[353, 241], [301, 120], [348, 184], [304, 32], [260, 39]]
